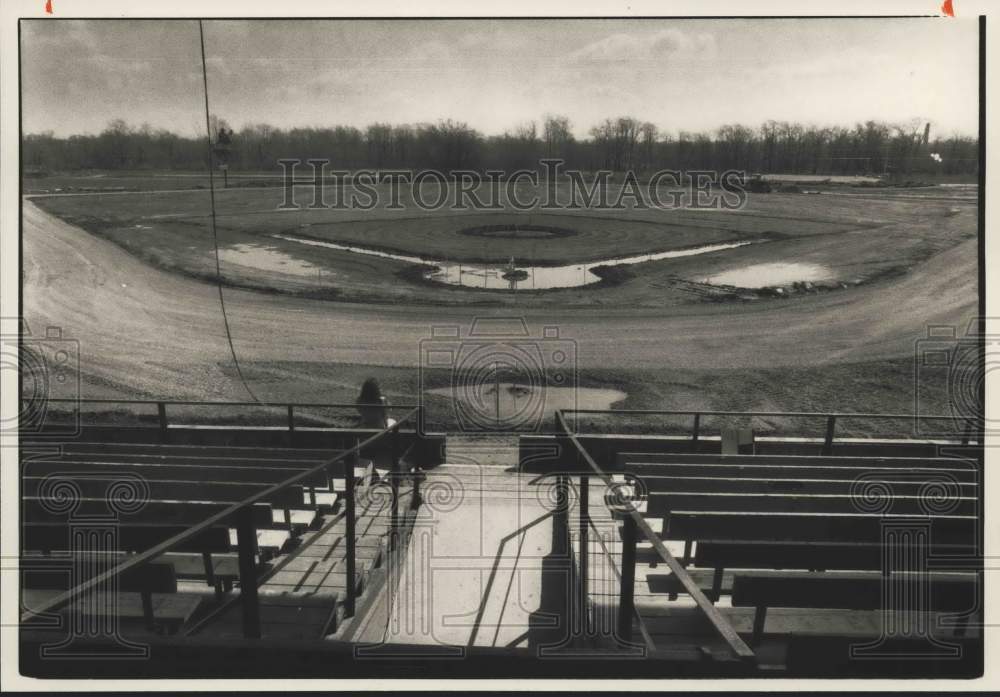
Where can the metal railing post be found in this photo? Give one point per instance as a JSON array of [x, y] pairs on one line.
[[161, 411], [246, 536], [291, 418], [696, 429], [626, 597], [394, 484], [561, 517], [967, 434], [350, 532], [419, 458], [584, 505], [831, 424]]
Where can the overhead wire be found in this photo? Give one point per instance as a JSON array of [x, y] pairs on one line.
[[215, 234]]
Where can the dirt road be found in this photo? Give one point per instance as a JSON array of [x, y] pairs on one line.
[[162, 334]]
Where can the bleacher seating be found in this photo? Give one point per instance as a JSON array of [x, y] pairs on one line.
[[781, 531], [180, 485], [147, 593]]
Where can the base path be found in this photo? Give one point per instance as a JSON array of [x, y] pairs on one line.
[[164, 334]]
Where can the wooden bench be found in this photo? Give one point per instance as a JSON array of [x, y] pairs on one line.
[[147, 592], [797, 468], [717, 556], [807, 484], [196, 559], [209, 474], [302, 443], [803, 513], [549, 453], [189, 479], [942, 593]]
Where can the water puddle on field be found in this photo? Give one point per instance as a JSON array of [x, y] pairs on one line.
[[266, 259], [514, 275], [519, 402], [770, 275]]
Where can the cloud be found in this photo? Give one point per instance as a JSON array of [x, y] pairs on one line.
[[658, 46], [76, 76]]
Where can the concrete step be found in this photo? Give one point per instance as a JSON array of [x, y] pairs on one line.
[[485, 449]]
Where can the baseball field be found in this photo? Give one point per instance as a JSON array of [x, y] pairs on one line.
[[811, 298]]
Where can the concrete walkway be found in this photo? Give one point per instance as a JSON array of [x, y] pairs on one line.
[[483, 566]]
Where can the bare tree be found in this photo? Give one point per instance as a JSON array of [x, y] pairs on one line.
[[557, 136], [649, 134]]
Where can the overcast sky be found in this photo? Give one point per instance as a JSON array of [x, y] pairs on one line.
[[690, 75]]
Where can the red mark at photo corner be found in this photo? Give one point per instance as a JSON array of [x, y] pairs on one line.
[[48, 6], [946, 8]]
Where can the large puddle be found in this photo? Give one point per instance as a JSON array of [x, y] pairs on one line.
[[266, 259], [769, 275], [515, 275]]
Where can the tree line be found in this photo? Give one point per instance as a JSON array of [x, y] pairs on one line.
[[618, 144]]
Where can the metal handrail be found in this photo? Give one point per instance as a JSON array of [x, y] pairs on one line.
[[289, 407], [220, 517], [222, 403], [719, 623], [830, 417], [797, 414]]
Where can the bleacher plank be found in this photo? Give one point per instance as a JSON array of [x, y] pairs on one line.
[[56, 536], [898, 484], [167, 472], [57, 572], [37, 510], [832, 461], [661, 504], [757, 554], [810, 527], [185, 491], [669, 584], [223, 567], [236, 451], [764, 470], [854, 591], [170, 610], [203, 457], [790, 623]]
